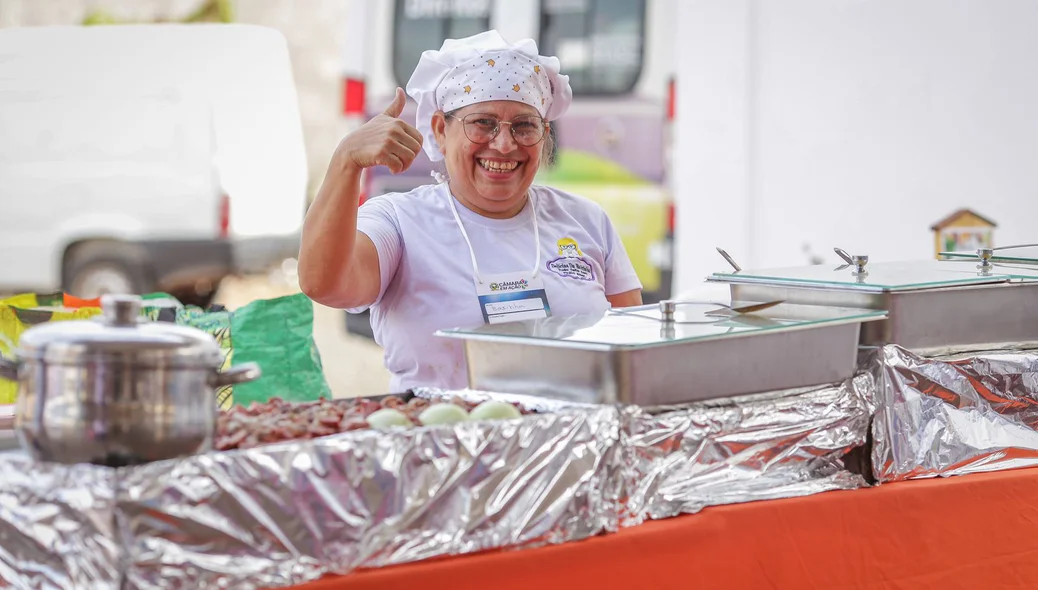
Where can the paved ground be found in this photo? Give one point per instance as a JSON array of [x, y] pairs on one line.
[[352, 364]]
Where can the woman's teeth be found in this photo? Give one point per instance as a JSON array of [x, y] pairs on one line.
[[497, 166]]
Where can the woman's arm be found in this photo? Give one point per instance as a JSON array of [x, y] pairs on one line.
[[338, 266], [620, 277], [626, 299]]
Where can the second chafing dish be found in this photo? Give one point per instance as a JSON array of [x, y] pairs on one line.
[[931, 304], [1025, 254], [670, 353]]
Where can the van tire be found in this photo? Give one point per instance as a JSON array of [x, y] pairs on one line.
[[93, 268]]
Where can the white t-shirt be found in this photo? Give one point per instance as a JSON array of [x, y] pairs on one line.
[[428, 280]]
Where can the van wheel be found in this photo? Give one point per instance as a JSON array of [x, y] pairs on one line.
[[95, 269]]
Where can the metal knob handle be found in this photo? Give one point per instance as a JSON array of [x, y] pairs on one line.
[[844, 255], [667, 308], [729, 259], [985, 255], [121, 310], [859, 263]]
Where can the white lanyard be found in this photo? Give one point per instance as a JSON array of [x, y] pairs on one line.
[[472, 252]]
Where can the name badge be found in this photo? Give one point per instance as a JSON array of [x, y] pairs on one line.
[[512, 297]]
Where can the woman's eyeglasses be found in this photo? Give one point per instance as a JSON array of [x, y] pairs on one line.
[[527, 130]]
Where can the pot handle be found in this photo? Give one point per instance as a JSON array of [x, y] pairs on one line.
[[8, 369], [240, 374]]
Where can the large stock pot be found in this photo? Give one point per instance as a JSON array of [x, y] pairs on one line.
[[118, 389]]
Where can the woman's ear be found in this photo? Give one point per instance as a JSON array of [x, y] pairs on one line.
[[439, 129]]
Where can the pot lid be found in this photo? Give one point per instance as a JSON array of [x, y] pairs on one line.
[[119, 330], [877, 277]]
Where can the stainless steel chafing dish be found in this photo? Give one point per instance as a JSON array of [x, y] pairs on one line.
[[931, 304], [1026, 254], [669, 353]]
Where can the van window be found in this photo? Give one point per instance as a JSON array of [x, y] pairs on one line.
[[599, 42], [424, 24]]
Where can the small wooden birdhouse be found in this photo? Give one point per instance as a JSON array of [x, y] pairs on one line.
[[963, 231]]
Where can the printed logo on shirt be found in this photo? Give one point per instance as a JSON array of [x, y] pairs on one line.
[[506, 286], [569, 248], [571, 263]]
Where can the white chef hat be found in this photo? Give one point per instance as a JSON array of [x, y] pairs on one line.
[[482, 68]]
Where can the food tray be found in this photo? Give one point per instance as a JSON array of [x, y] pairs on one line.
[[636, 356], [289, 512], [954, 414], [931, 304], [783, 444]]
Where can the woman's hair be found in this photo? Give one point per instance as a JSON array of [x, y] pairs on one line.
[[549, 144]]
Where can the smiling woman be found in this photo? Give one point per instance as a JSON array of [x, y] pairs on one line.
[[492, 170], [483, 244]]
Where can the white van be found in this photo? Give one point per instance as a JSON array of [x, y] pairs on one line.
[[139, 158]]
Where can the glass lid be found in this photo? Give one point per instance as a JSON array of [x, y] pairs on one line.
[[877, 277], [1024, 254], [643, 326], [1017, 271]]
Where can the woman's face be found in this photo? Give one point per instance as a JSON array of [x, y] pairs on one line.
[[492, 178]]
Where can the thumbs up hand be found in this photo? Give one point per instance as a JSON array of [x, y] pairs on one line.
[[384, 140]]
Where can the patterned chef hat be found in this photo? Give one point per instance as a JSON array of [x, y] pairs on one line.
[[482, 68]]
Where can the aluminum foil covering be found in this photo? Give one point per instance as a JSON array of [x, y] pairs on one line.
[[683, 459], [287, 513], [955, 414], [57, 525]]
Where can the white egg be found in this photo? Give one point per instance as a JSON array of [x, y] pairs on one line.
[[387, 417], [444, 413], [494, 410]]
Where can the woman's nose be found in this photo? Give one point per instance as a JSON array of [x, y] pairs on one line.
[[504, 142]]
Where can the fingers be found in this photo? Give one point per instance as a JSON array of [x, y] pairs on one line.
[[393, 162], [416, 134], [408, 140], [397, 106], [397, 157], [405, 154]]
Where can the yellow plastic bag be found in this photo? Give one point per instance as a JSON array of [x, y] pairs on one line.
[[275, 333], [15, 319]]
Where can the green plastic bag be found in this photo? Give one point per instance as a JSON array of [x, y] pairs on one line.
[[277, 334]]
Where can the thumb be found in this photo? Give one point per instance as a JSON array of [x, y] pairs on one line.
[[397, 106]]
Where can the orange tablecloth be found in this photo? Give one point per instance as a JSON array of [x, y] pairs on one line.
[[977, 531]]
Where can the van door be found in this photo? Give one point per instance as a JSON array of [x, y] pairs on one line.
[[611, 141]]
